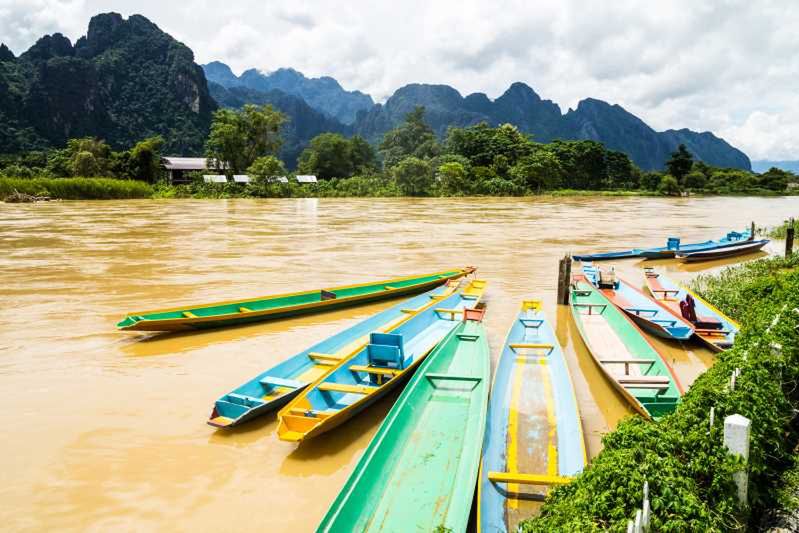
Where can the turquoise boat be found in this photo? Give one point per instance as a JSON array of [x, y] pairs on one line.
[[673, 246], [534, 436], [629, 361], [711, 326], [372, 371], [420, 469], [272, 388], [650, 315]]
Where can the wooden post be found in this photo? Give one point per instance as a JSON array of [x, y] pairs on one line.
[[789, 239], [752, 232], [564, 279]]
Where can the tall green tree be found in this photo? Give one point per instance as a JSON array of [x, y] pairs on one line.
[[414, 176], [680, 163], [145, 159], [238, 138], [482, 145], [88, 156], [775, 179], [539, 171], [328, 155], [411, 138], [265, 168], [453, 178]]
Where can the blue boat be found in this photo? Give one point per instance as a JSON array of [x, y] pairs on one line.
[[372, 371], [650, 315], [273, 388], [534, 437], [673, 246], [711, 326]]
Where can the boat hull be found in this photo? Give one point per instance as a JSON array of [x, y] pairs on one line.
[[277, 386], [533, 425], [668, 252], [671, 294], [627, 359], [234, 313], [358, 381], [419, 471], [723, 252]]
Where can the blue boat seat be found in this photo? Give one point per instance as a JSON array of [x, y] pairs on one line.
[[673, 243], [271, 381], [386, 350]]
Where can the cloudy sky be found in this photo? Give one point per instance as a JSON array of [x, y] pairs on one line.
[[731, 66]]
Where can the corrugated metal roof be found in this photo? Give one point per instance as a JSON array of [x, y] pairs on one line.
[[241, 178], [185, 163], [215, 178], [306, 179]]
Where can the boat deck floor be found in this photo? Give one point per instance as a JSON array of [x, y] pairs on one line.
[[606, 344]]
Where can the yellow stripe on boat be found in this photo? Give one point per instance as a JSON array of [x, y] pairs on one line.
[[527, 479]]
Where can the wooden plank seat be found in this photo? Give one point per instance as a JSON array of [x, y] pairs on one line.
[[528, 479], [244, 399], [712, 332], [450, 312], [245, 310], [311, 413], [531, 346], [380, 371], [272, 381], [531, 323], [342, 387], [639, 310], [627, 362], [591, 307], [639, 380], [189, 314]]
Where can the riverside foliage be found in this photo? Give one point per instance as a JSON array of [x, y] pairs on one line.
[[682, 457], [410, 161]]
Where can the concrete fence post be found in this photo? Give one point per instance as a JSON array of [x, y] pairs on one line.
[[736, 439]]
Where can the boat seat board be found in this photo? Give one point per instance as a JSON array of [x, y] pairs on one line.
[[244, 398], [281, 382], [375, 370], [528, 479], [644, 379], [342, 387]]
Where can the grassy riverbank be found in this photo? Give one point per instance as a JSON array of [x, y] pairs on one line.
[[76, 188], [682, 457]]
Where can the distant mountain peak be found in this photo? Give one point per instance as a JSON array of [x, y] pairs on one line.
[[324, 94], [5, 53]]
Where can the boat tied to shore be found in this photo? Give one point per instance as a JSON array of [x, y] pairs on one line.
[[235, 312], [672, 248]]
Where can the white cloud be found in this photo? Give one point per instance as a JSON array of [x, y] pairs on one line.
[[725, 66]]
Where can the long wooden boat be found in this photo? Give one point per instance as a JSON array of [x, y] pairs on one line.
[[711, 326], [652, 316], [673, 245], [748, 247], [620, 349], [235, 312], [419, 471], [273, 388], [360, 379], [534, 435]]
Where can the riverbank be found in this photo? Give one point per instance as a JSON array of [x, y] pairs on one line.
[[356, 187], [682, 457]]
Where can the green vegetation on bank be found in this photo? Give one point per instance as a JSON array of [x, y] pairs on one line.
[[76, 188], [781, 231], [410, 161], [682, 457]]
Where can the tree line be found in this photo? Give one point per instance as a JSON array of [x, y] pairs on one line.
[[410, 160]]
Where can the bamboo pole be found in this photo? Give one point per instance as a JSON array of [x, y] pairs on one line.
[[789, 239]]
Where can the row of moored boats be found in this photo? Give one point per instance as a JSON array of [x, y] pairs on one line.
[[451, 429]]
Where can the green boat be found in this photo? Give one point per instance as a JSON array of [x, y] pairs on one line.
[[626, 357], [420, 470], [236, 312]]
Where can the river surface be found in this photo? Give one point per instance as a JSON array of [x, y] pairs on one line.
[[104, 430]]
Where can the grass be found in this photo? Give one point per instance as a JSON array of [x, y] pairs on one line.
[[780, 232], [76, 188]]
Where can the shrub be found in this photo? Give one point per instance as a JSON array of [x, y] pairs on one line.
[[76, 188]]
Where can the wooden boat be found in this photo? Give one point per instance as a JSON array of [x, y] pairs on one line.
[[360, 379], [651, 315], [273, 388], [628, 360], [419, 471], [283, 305], [711, 326], [748, 247], [673, 246], [534, 436]]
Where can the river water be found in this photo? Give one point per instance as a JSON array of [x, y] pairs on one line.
[[106, 430]]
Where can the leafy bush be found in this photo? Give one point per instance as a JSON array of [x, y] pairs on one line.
[[683, 459]]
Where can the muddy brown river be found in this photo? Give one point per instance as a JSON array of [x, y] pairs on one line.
[[104, 430]]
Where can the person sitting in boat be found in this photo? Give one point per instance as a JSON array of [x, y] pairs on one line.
[[688, 311]]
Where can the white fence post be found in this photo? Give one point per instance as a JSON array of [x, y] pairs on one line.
[[736, 440]]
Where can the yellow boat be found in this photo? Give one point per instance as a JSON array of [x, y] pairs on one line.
[[359, 380]]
